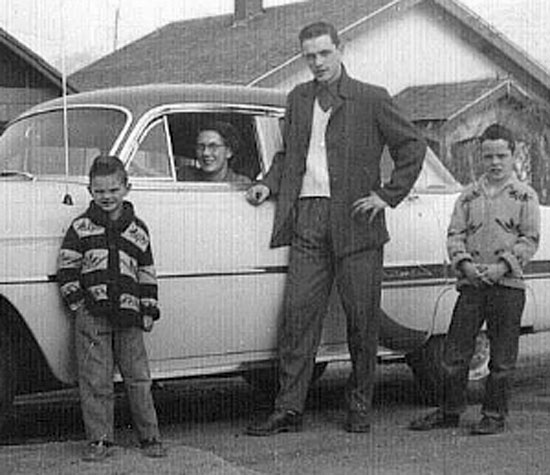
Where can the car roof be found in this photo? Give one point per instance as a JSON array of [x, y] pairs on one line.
[[139, 99]]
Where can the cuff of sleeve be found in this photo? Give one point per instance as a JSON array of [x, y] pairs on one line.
[[512, 263], [459, 259], [384, 196], [150, 310], [76, 305]]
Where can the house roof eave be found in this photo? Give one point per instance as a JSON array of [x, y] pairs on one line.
[[347, 33], [505, 88], [503, 51], [36, 61], [487, 37]]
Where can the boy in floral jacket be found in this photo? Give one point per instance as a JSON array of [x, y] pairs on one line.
[[493, 233]]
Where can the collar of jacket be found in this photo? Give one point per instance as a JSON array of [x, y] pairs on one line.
[[100, 217], [345, 87], [483, 184]]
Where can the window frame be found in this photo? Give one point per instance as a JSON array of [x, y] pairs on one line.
[[163, 112], [163, 122]]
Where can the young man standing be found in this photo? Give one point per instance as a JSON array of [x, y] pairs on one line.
[[330, 202], [493, 233]]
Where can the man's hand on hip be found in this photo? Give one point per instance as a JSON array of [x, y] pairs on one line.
[[257, 194], [372, 204]]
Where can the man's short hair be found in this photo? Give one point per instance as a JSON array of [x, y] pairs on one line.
[[499, 132], [104, 165], [319, 28]]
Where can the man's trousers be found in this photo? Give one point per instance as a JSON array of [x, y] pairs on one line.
[[313, 268]]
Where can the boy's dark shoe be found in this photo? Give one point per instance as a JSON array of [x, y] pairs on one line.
[[435, 420], [98, 451], [278, 421], [489, 426], [152, 448], [357, 422]]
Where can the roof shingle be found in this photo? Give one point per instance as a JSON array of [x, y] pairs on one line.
[[441, 101], [215, 50]]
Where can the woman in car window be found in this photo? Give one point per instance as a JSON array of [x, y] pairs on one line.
[[217, 144]]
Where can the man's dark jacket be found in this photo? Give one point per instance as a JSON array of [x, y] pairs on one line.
[[364, 119]]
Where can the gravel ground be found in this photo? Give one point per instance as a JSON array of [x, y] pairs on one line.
[[203, 422]]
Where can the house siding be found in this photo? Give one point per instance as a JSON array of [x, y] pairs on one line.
[[413, 48]]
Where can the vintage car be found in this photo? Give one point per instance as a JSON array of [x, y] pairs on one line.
[[220, 283]]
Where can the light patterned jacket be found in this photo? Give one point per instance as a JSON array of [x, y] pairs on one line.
[[487, 229]]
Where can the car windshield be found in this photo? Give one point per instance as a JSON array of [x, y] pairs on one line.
[[35, 145]]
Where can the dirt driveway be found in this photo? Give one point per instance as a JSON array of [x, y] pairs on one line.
[[203, 425]]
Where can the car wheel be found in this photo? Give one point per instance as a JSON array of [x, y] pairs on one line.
[[8, 378], [425, 363], [266, 380]]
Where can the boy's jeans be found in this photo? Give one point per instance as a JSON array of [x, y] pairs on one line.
[[99, 347], [501, 307]]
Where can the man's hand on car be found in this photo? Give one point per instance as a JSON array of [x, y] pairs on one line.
[[257, 194]]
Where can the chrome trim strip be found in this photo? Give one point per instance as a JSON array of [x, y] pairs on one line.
[[406, 281]]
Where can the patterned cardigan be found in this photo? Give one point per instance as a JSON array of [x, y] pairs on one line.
[[487, 229], [108, 267]]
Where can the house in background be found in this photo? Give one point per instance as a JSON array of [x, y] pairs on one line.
[[399, 44], [25, 79], [396, 43], [451, 116]]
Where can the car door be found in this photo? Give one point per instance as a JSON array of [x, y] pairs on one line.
[[220, 284]]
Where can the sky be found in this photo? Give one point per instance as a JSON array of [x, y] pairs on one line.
[[81, 31]]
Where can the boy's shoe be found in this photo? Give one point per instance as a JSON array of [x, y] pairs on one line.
[[489, 426], [97, 451], [280, 420], [357, 422], [435, 420], [152, 448]]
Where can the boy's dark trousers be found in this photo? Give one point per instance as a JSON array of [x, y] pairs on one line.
[[99, 347], [501, 308]]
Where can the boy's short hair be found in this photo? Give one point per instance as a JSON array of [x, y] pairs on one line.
[[499, 132], [319, 28], [108, 165]]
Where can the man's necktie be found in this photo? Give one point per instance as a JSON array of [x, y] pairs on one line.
[[324, 97]]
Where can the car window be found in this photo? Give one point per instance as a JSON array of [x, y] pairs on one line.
[[36, 144], [153, 156], [185, 127]]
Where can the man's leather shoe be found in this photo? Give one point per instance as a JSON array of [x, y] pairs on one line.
[[489, 426], [435, 420], [357, 422], [278, 421]]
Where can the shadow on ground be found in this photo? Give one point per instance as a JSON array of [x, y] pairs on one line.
[[55, 416]]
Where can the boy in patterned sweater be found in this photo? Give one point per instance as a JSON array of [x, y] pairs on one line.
[[493, 233], [107, 278]]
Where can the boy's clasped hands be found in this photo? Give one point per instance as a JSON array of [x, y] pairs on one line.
[[484, 274]]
